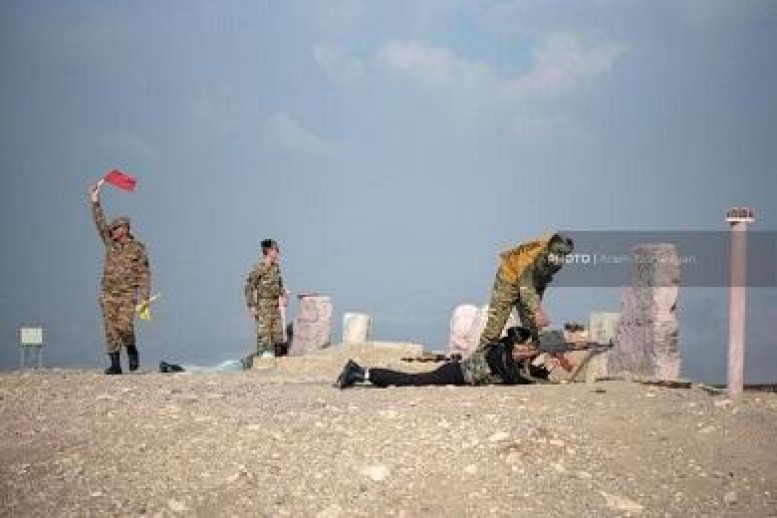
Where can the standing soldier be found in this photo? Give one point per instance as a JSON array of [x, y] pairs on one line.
[[126, 281], [265, 295]]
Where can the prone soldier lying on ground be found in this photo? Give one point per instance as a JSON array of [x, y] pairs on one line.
[[507, 361]]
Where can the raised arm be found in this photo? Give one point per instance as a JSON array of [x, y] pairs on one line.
[[97, 213]]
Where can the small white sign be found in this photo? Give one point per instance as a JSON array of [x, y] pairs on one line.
[[31, 335]]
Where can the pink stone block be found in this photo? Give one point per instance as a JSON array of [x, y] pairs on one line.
[[460, 339], [467, 324], [313, 325], [314, 309]]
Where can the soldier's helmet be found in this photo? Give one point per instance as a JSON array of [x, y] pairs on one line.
[[560, 244], [121, 221], [559, 247]]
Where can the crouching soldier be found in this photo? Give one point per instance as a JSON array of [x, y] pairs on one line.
[[497, 363], [523, 275], [126, 280]]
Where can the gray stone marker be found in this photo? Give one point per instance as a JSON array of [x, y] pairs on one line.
[[646, 341]]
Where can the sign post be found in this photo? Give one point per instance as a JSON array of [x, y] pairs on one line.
[[738, 218], [30, 347]]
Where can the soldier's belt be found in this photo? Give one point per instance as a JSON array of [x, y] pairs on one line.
[[114, 293]]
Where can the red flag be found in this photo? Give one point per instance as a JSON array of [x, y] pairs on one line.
[[121, 180]]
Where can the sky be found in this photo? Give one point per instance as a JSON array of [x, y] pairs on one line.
[[393, 148]]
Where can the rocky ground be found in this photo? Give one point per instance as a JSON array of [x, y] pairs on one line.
[[280, 441]]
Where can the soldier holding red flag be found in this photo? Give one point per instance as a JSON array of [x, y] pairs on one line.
[[126, 276]]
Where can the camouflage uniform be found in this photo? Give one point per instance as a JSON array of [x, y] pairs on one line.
[[524, 273], [476, 370], [126, 276], [263, 289]]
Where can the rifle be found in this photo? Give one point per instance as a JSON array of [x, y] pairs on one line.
[[554, 343], [433, 357]]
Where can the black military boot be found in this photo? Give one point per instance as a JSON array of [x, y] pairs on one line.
[[115, 367], [169, 367], [352, 372], [134, 359]]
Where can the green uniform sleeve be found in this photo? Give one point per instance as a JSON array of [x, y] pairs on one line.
[[250, 287], [530, 296], [99, 220], [529, 301], [143, 274]]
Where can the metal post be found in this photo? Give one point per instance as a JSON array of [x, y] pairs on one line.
[[738, 218]]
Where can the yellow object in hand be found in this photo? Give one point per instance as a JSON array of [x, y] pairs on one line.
[[144, 312], [144, 308]]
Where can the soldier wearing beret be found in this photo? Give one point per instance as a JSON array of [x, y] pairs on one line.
[[264, 293], [126, 281]]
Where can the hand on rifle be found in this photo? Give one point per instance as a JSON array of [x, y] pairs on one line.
[[524, 351], [541, 319]]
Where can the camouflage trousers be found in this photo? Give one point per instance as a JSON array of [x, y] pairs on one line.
[[119, 320], [475, 369], [269, 327], [505, 296]]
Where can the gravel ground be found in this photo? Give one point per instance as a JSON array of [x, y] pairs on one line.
[[280, 441]]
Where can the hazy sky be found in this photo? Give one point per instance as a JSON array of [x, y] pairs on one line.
[[393, 148]]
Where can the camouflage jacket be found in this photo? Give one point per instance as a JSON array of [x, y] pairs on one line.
[[264, 282], [528, 269], [126, 269], [522, 268], [531, 287]]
